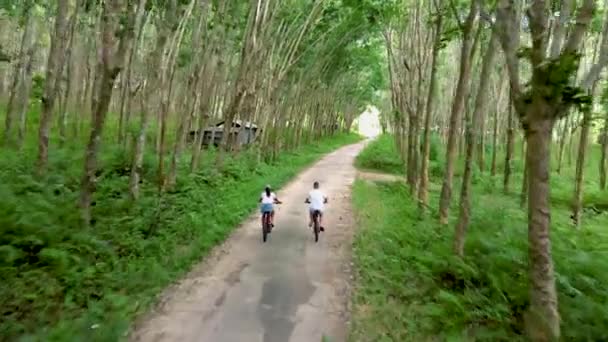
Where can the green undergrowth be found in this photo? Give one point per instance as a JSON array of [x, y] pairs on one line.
[[61, 282], [380, 155], [410, 287]]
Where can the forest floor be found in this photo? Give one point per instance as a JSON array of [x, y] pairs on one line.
[[288, 289]]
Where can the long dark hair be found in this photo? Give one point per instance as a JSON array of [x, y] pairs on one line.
[[268, 191]]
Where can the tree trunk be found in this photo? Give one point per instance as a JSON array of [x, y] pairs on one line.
[[218, 73], [571, 137], [152, 90], [562, 143], [53, 76], [198, 71], [25, 90], [497, 110], [127, 93], [63, 119], [510, 147], [577, 209], [543, 319], [584, 141], [165, 105], [604, 154], [538, 113], [461, 95], [423, 193], [412, 152], [472, 131], [110, 62], [19, 75], [524, 184], [494, 144]]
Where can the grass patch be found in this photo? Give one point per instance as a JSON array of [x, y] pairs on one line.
[[61, 282], [381, 155]]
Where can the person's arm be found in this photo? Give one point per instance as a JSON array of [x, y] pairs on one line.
[[276, 200], [325, 199]]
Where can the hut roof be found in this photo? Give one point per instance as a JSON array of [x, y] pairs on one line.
[[238, 124]]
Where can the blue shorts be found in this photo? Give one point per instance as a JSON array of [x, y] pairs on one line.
[[267, 208]]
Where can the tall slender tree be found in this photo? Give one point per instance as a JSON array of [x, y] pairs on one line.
[[549, 97]]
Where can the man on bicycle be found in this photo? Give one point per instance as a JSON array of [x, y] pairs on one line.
[[317, 199], [268, 200]]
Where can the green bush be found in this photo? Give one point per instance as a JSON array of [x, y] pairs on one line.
[[436, 151], [381, 155], [59, 279]]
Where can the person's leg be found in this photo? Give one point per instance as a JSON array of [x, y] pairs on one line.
[[272, 218], [321, 220], [311, 217]]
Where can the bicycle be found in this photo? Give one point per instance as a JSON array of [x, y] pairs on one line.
[[267, 223], [317, 229], [266, 226], [316, 224]]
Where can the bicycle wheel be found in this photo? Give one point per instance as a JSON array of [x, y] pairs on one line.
[[317, 228], [265, 227]]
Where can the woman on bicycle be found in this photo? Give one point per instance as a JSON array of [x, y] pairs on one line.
[[268, 200]]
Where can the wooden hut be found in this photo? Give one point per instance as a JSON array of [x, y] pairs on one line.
[[241, 133]]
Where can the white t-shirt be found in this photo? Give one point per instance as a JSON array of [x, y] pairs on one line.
[[317, 199], [268, 200]]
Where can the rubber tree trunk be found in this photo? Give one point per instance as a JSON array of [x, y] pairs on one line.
[[577, 209], [510, 148], [524, 186], [562, 143], [53, 75], [471, 137], [423, 193], [495, 130], [543, 296], [25, 90], [19, 75], [110, 63], [494, 144], [64, 110], [604, 154], [126, 86], [151, 91], [462, 90]]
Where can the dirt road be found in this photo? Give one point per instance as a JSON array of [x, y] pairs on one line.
[[286, 290]]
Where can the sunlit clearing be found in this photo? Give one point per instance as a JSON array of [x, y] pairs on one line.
[[368, 123]]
